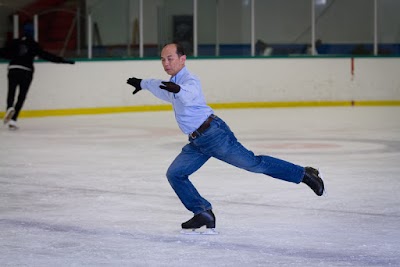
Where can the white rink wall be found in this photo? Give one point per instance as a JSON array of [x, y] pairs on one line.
[[96, 84]]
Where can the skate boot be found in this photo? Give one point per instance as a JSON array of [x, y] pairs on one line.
[[205, 218], [313, 180], [12, 125], [9, 113]]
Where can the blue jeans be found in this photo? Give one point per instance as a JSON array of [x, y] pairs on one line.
[[218, 141]]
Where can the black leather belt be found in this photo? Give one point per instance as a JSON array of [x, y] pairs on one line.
[[203, 127]]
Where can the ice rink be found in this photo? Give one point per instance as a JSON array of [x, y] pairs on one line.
[[91, 191]]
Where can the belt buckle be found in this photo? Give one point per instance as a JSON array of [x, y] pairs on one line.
[[191, 136], [194, 135]]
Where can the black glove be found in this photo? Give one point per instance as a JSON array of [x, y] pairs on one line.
[[67, 61], [135, 83], [170, 87]]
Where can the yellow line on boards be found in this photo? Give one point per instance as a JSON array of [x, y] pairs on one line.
[[234, 105], [91, 111]]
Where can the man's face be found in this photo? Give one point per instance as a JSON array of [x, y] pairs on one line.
[[170, 60]]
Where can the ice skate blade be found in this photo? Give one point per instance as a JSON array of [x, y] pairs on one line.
[[207, 231], [324, 193]]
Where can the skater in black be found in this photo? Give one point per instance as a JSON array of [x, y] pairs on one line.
[[21, 53]]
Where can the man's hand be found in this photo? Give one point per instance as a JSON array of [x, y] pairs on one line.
[[170, 87], [135, 83]]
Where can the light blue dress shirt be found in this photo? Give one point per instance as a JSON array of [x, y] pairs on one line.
[[189, 104]]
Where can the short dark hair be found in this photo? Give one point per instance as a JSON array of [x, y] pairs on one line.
[[179, 48]]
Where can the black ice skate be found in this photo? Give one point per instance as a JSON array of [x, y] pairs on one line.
[[205, 218], [313, 180]]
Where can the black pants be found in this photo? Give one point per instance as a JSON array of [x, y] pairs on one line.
[[23, 79]]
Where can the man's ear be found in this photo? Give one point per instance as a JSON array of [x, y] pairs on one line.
[[182, 58]]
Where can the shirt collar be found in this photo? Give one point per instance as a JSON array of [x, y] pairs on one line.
[[177, 77]]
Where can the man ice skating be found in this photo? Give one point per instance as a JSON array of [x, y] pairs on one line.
[[209, 136], [21, 52]]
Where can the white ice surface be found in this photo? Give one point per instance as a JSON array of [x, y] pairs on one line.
[[91, 191]]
